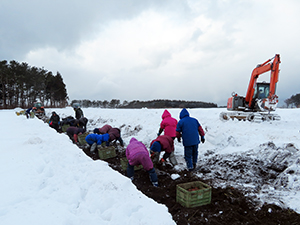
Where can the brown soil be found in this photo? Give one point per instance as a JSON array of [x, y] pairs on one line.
[[228, 206]]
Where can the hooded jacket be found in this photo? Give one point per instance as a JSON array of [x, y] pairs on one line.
[[78, 113], [168, 124], [137, 154], [83, 121], [54, 118], [166, 142], [114, 134], [189, 128], [104, 129], [98, 138], [74, 131]]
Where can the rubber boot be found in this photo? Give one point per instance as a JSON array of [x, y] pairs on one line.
[[155, 157], [194, 164], [172, 159]]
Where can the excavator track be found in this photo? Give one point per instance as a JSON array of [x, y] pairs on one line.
[[249, 116]]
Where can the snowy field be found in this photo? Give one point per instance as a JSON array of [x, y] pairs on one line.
[[48, 180]]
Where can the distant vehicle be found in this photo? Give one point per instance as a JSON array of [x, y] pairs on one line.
[[260, 98], [38, 109]]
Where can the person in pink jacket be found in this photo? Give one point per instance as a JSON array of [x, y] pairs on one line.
[[137, 154], [168, 125]]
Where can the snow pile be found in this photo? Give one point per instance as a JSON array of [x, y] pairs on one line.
[[48, 180]]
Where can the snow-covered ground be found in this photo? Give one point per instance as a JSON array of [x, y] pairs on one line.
[[45, 179]]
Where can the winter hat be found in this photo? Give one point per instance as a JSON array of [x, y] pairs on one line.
[[96, 131], [80, 130], [156, 147], [183, 113]]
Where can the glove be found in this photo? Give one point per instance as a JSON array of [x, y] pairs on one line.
[[152, 154], [202, 139], [158, 134], [155, 184], [93, 148], [163, 161]]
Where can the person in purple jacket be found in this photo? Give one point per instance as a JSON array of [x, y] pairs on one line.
[[190, 129], [73, 133], [137, 154], [168, 125], [96, 139]]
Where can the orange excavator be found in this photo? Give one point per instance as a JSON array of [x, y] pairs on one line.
[[260, 98], [38, 109]]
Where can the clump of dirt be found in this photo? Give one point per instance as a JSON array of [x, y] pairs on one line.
[[228, 205]]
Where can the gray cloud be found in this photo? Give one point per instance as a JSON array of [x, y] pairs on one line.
[[192, 50], [62, 24]]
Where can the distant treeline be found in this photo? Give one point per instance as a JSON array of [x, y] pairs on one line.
[[21, 85], [293, 101], [155, 104]]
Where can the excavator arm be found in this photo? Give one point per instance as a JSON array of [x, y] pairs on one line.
[[260, 69], [274, 76]]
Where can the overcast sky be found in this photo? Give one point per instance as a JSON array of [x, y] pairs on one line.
[[198, 50]]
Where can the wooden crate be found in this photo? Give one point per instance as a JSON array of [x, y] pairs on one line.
[[193, 194], [31, 114], [81, 138], [124, 163], [65, 127], [22, 112], [106, 152]]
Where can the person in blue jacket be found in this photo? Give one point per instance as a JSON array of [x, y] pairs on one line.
[[96, 139], [189, 129], [27, 113]]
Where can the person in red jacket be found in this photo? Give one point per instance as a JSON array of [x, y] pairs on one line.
[[163, 143], [168, 125]]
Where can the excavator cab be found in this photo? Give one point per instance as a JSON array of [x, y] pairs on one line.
[[261, 99], [261, 90], [38, 109]]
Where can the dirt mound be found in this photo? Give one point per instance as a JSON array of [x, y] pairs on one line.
[[228, 205]]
